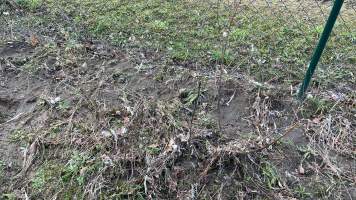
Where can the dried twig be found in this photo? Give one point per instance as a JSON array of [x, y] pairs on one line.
[[218, 83], [287, 132], [231, 98], [195, 107], [218, 152]]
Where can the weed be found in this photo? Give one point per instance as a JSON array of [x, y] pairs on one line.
[[77, 170], [270, 174], [318, 29], [188, 97], [301, 192], [208, 122], [46, 177], [30, 67], [73, 167], [316, 106], [128, 191], [54, 130], [239, 34], [39, 180], [64, 105], [223, 57], [153, 150]]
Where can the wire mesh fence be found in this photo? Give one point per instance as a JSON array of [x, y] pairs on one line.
[[282, 35], [271, 40], [268, 41]]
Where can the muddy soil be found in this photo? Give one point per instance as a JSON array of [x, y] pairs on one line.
[[131, 108], [28, 102], [18, 97]]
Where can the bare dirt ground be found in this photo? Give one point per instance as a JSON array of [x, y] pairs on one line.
[[87, 120]]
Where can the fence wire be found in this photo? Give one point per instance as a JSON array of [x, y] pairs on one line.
[[280, 36], [271, 40]]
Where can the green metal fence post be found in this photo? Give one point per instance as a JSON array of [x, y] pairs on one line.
[[320, 47]]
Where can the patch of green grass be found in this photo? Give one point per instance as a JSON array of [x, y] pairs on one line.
[[153, 150], [159, 26], [36, 60], [64, 105], [40, 179], [126, 190], [72, 46], [223, 56], [54, 130], [301, 192], [30, 4], [316, 106], [179, 51], [270, 175], [20, 136], [239, 34], [73, 168], [189, 96], [78, 168], [267, 46], [208, 122], [30, 67], [46, 178]]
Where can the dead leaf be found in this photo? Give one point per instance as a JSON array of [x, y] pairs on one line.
[[126, 120], [34, 40], [316, 120]]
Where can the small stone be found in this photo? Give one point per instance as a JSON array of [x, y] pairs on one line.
[[54, 100], [301, 170], [106, 133]]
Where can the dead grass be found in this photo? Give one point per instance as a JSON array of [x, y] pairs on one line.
[[107, 122]]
